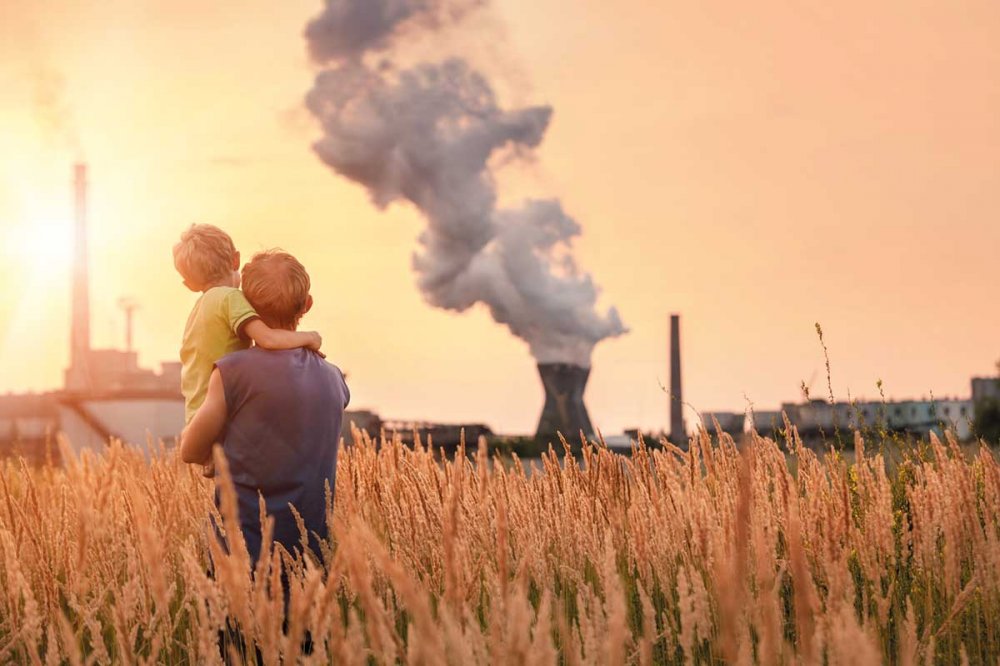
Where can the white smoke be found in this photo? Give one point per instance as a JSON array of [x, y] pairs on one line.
[[53, 111], [426, 135]]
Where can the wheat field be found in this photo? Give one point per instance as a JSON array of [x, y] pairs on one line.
[[718, 554]]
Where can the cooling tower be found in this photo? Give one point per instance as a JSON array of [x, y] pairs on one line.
[[564, 411]]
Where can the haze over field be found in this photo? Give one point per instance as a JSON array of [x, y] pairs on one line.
[[756, 168]]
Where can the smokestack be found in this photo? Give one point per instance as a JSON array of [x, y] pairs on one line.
[[564, 411], [78, 375], [677, 431], [129, 307]]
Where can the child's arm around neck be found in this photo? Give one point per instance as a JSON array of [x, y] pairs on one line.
[[266, 337]]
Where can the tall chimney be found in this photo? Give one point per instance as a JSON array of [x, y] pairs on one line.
[[677, 432], [78, 376], [564, 411]]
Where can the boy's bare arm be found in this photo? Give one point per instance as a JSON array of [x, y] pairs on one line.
[[275, 338], [203, 432]]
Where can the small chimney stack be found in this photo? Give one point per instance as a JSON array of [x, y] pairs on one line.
[[78, 375], [128, 306], [678, 434], [564, 411]]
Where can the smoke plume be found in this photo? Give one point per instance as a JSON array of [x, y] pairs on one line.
[[426, 134], [53, 112]]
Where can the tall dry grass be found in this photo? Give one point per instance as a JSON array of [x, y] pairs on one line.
[[711, 555]]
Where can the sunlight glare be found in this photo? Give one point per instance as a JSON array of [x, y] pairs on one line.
[[40, 245]]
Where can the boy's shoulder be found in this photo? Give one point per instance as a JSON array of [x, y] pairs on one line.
[[213, 298], [228, 300], [217, 295], [219, 314]]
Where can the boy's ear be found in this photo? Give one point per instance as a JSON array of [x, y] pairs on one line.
[[236, 261], [309, 304]]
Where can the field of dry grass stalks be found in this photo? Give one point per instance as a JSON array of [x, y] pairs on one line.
[[711, 555]]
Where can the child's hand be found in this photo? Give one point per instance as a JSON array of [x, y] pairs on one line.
[[315, 342], [208, 470]]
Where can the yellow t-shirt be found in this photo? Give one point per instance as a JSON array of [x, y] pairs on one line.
[[213, 330]]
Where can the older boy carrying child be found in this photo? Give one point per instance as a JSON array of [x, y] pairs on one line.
[[222, 320]]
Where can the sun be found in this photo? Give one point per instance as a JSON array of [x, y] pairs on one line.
[[40, 245]]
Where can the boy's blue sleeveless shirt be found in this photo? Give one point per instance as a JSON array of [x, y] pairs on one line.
[[284, 413]]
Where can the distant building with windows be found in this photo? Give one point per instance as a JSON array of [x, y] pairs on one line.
[[766, 422], [107, 396], [820, 419], [817, 418], [731, 423]]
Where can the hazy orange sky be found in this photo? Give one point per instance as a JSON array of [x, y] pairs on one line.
[[757, 167]]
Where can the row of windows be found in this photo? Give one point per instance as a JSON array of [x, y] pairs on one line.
[[898, 411]]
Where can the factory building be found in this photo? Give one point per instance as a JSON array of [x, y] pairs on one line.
[[918, 417], [441, 435], [730, 423], [766, 422], [818, 419], [985, 388], [27, 423]]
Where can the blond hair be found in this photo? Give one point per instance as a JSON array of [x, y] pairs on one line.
[[277, 286], [204, 255]]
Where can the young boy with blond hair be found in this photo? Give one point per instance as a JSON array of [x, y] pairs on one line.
[[222, 320]]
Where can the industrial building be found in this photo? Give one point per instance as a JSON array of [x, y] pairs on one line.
[[730, 423], [766, 422], [816, 419], [916, 417], [985, 388], [440, 435]]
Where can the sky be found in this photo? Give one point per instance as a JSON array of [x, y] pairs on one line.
[[755, 167]]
